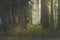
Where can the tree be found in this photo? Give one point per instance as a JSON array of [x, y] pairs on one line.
[[44, 14], [8, 9], [52, 21], [14, 11], [58, 14], [4, 14]]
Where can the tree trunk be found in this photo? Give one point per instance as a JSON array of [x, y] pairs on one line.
[[13, 12], [44, 14], [52, 21], [10, 12], [59, 14]]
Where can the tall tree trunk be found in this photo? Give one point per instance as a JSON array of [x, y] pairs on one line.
[[52, 21], [10, 11], [37, 11], [13, 12], [59, 14], [44, 14]]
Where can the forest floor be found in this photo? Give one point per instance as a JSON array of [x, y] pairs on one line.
[[51, 36], [27, 38]]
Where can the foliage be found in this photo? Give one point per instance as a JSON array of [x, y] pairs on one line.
[[31, 30]]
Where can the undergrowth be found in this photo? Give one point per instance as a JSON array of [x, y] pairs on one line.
[[34, 30]]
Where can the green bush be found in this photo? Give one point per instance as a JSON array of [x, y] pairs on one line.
[[30, 30], [34, 29]]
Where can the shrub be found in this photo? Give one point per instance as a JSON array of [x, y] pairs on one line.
[[32, 30]]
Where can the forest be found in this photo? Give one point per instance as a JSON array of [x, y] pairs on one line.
[[30, 18]]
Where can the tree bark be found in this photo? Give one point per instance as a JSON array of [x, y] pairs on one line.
[[44, 14], [52, 21], [58, 14]]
